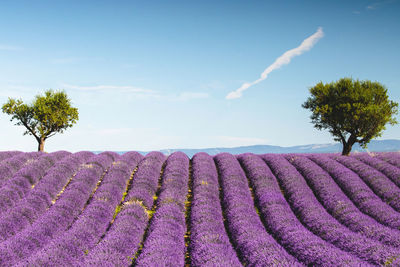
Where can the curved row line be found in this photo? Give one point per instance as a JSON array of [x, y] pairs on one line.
[[121, 242], [392, 172], [8, 154], [337, 204], [29, 208], [307, 209], [11, 165], [70, 247], [378, 182], [315, 217], [165, 244], [359, 193], [390, 157], [209, 242], [26, 178], [250, 239], [58, 217], [283, 224]]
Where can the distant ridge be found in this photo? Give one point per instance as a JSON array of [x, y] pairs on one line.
[[373, 146]]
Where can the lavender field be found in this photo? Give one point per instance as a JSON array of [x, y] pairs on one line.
[[86, 209]]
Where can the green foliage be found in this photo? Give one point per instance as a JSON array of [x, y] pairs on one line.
[[351, 110], [46, 116]]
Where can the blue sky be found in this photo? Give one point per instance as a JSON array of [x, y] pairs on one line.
[[148, 75]]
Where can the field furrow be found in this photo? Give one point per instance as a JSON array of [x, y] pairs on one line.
[[39, 199], [26, 179], [122, 241], [253, 244], [71, 247], [339, 205], [11, 165], [392, 172], [314, 216], [209, 242], [381, 185], [356, 190], [165, 243], [58, 217], [109, 209]]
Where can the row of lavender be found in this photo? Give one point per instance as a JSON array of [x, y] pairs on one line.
[[66, 209]]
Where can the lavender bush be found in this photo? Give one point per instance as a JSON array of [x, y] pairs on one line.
[[253, 244], [121, 242], [282, 223], [63, 209], [23, 181], [8, 154], [209, 242], [28, 209], [390, 157], [339, 205], [379, 183], [57, 218], [11, 165], [165, 244], [70, 247], [313, 215], [359, 193]]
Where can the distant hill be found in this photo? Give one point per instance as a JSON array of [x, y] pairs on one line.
[[373, 146]]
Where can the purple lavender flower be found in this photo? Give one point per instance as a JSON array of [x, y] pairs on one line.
[[209, 242], [58, 217], [339, 205], [23, 180], [8, 154], [70, 247], [313, 215], [122, 241], [390, 157], [392, 172], [282, 223], [28, 209], [359, 193], [253, 244], [165, 244], [11, 165], [379, 183]]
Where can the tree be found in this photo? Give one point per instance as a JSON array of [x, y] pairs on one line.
[[46, 116], [353, 111]]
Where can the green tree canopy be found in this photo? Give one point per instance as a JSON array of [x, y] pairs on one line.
[[351, 110], [46, 116]]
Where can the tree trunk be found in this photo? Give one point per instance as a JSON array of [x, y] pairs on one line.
[[348, 145], [41, 144], [346, 149]]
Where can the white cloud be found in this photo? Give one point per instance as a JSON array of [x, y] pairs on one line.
[[379, 4], [284, 59], [67, 60], [192, 95], [112, 88], [233, 141], [10, 47]]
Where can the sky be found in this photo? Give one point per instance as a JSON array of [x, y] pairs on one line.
[[150, 75]]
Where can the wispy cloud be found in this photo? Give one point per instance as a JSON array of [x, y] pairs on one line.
[[10, 47], [184, 96], [231, 141], [113, 88], [285, 59], [67, 60], [378, 4], [372, 6], [74, 60]]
